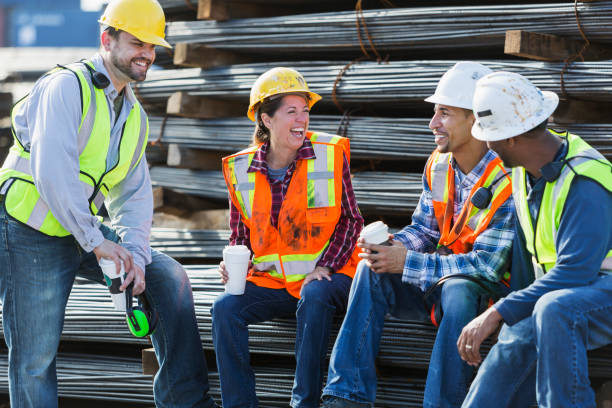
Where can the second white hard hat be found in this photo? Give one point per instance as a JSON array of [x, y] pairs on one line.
[[507, 105], [456, 87]]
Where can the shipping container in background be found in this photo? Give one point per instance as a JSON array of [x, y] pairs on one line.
[[60, 23]]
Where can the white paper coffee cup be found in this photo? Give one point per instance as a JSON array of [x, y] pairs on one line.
[[114, 279], [375, 233], [236, 258]]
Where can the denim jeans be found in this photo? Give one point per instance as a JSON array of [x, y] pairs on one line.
[[314, 314], [352, 369], [545, 354], [36, 277]]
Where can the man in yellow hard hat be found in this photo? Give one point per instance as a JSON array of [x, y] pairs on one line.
[[80, 137]]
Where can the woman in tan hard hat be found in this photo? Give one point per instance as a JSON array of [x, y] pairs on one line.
[[292, 205]]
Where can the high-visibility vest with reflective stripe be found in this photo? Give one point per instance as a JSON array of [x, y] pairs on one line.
[[471, 221], [22, 200], [284, 255], [540, 241]]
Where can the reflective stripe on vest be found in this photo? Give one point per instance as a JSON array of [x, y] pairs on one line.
[[321, 192], [540, 241], [22, 200], [471, 220], [321, 175], [243, 181]]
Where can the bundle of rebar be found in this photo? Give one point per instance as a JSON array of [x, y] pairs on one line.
[[371, 137], [407, 29], [183, 243], [179, 5], [90, 316], [96, 377], [391, 192], [119, 380], [203, 183], [598, 135], [394, 83]]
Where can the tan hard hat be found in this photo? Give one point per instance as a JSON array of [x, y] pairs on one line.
[[277, 81]]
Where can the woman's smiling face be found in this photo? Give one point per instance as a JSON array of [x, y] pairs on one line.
[[289, 124]]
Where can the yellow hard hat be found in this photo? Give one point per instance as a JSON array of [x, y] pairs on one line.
[[276, 81], [144, 19]]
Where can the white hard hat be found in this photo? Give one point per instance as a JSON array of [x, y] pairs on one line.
[[507, 105], [456, 87]]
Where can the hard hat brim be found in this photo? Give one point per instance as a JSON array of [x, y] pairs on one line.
[[551, 101], [314, 98], [147, 38], [448, 101]]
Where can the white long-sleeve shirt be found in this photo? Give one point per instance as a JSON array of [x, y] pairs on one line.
[[48, 125]]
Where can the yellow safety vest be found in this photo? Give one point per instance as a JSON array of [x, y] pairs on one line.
[[540, 241], [22, 200]]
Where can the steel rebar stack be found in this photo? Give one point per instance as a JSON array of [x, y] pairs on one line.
[[391, 192], [371, 137], [403, 29], [177, 243], [392, 85]]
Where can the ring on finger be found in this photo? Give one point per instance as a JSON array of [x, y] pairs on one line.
[[468, 346]]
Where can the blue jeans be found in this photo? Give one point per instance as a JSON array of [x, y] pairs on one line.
[[314, 314], [352, 370], [545, 354], [37, 275]]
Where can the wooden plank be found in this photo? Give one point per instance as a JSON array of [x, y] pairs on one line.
[[149, 361], [198, 55], [575, 111], [158, 197], [547, 47], [6, 103], [222, 10], [189, 158], [604, 395], [179, 218], [183, 104]]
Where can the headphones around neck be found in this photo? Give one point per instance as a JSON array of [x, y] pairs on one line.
[[552, 170], [98, 79], [142, 319], [437, 312], [482, 197]]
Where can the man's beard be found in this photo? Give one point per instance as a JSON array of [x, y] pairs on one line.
[[127, 70]]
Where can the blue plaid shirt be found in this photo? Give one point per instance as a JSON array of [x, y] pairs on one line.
[[491, 250]]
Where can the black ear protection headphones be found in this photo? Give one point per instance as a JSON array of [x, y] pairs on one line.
[[98, 79], [482, 197], [141, 319], [551, 171], [436, 312]]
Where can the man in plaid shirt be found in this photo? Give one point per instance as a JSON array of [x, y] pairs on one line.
[[451, 233]]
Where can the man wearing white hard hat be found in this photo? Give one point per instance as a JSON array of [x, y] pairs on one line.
[[562, 190], [454, 230], [80, 137]]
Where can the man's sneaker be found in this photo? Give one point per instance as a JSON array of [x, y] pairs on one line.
[[337, 402]]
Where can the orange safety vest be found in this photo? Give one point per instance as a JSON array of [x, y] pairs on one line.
[[284, 255], [471, 221]]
